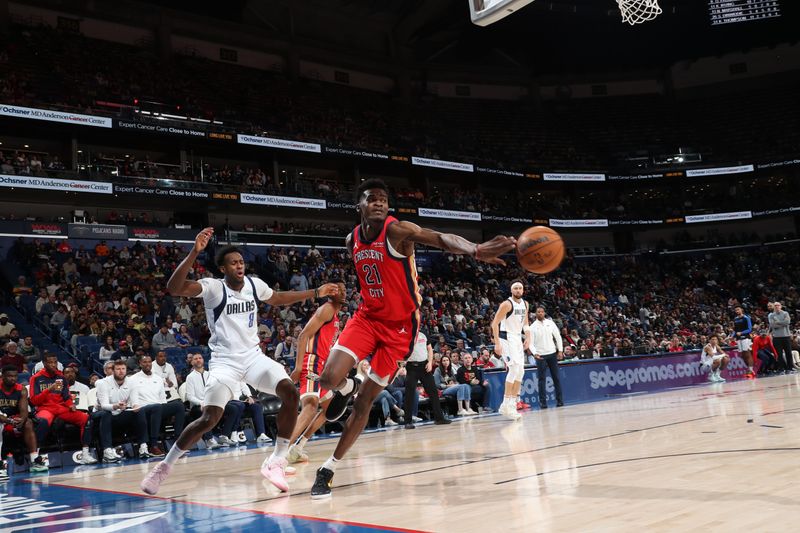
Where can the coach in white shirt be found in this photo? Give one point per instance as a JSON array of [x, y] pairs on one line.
[[547, 349], [195, 393], [164, 369], [148, 394], [113, 411]]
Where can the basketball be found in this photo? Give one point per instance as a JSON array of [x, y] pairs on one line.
[[540, 250]]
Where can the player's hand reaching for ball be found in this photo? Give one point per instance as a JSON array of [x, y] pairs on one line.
[[202, 239], [490, 251], [329, 289]]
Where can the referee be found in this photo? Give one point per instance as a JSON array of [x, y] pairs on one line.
[[418, 368]]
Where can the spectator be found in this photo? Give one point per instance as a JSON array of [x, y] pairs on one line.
[[16, 420], [286, 349], [113, 412], [195, 393], [149, 396], [5, 326], [183, 337], [29, 351], [779, 321], [445, 380], [107, 350], [124, 353], [52, 400], [164, 339], [298, 281], [472, 376], [12, 357], [21, 288]]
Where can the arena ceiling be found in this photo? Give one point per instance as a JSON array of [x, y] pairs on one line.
[[548, 36]]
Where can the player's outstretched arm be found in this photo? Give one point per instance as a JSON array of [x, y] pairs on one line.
[[489, 251], [291, 297], [178, 285], [320, 317]]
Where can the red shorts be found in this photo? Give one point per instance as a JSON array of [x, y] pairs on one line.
[[387, 342], [309, 375]]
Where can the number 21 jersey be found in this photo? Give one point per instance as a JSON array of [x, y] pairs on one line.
[[388, 280]]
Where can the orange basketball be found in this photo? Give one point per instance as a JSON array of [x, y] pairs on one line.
[[540, 250]]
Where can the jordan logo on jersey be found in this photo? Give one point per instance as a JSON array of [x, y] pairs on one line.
[[235, 308]]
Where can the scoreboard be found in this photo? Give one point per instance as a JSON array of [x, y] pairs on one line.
[[733, 11]]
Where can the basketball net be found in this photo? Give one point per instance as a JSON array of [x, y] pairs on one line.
[[638, 11]]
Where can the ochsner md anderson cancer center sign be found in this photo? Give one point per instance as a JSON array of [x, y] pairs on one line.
[[55, 116], [55, 184]]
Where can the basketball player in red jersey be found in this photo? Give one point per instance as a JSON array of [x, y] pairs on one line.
[[387, 321], [315, 343]]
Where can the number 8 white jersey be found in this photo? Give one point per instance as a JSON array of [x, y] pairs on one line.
[[233, 316]]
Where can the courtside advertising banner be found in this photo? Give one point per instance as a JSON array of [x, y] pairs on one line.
[[438, 163], [55, 184], [587, 223], [612, 377], [54, 116], [716, 217], [283, 144], [282, 201], [444, 213], [568, 176]]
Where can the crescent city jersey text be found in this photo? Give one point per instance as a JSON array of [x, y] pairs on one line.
[[233, 316], [388, 280]]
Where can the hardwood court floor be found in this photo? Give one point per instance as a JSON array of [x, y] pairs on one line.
[[708, 458]]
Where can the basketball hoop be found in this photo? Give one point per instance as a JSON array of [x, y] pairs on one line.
[[638, 11]]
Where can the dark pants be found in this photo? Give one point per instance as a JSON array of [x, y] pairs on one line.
[[481, 394], [133, 423], [152, 414], [783, 345], [415, 372], [230, 416], [255, 410], [768, 361], [549, 361]]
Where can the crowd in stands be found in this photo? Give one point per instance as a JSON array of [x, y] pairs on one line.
[[565, 133], [109, 306]]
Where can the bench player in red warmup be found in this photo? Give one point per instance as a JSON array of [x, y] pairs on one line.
[[387, 321]]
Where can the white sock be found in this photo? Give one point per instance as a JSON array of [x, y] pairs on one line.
[[85, 451], [301, 444], [173, 455], [331, 463], [34, 455], [281, 448]]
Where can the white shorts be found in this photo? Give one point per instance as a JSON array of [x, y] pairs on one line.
[[513, 353], [708, 361], [744, 345], [227, 372]]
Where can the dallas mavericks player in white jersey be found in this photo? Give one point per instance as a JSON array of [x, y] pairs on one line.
[[509, 323], [231, 308]]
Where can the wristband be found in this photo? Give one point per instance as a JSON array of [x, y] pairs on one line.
[[477, 246], [316, 293]]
